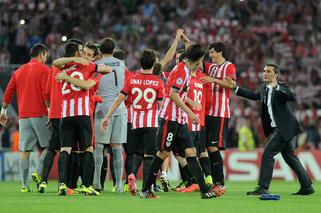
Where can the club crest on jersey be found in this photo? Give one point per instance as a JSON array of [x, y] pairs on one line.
[[179, 81]]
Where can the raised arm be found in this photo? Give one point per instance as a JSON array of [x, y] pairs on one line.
[[240, 91], [172, 50]]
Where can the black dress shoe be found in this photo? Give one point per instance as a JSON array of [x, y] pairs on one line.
[[305, 191], [258, 191]]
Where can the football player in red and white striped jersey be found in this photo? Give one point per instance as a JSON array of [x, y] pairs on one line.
[[76, 123], [217, 109], [173, 133], [145, 90]]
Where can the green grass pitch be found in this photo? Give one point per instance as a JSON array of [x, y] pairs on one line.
[[235, 200]]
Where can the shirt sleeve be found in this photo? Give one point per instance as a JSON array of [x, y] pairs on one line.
[[126, 88], [92, 67], [10, 90], [178, 80], [95, 77], [160, 94], [231, 72]]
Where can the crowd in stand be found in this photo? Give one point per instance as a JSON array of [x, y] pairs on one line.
[[286, 32]]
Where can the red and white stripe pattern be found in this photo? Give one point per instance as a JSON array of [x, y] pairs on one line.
[[219, 97], [143, 118], [130, 112], [193, 127], [75, 107], [169, 110]]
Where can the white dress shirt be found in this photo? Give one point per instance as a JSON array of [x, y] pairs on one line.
[[269, 105]]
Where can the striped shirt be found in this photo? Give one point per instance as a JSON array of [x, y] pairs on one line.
[[197, 94], [145, 90], [75, 101], [217, 100], [178, 80]]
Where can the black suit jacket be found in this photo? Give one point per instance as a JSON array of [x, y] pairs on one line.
[[284, 118]]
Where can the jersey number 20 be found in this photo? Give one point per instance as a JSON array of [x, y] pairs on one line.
[[64, 89]]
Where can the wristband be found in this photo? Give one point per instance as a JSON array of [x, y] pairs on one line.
[[4, 111]]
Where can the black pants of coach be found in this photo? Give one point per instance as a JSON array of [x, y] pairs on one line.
[[275, 145]]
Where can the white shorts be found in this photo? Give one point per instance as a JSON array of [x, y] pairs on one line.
[[116, 131], [33, 130]]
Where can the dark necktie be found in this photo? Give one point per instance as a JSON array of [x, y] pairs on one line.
[[266, 95]]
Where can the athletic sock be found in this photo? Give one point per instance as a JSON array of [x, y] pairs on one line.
[[47, 165], [206, 165], [74, 170], [182, 172], [88, 166], [80, 166], [155, 166], [104, 169], [197, 172], [112, 170], [98, 155], [136, 162], [146, 168], [24, 166], [188, 175], [217, 167], [128, 165], [41, 161], [118, 165], [63, 166]]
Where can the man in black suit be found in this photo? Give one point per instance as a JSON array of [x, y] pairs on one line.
[[280, 126]]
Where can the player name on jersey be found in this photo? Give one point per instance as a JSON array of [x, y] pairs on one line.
[[144, 82]]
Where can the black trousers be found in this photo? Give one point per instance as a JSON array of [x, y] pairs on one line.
[[275, 145]]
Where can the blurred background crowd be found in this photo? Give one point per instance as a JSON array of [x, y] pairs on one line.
[[286, 32]]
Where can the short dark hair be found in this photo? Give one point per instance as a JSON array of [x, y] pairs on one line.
[[107, 46], [220, 47], [275, 68], [195, 52], [37, 49], [182, 56], [93, 47], [157, 70], [120, 54], [70, 49], [147, 58], [75, 40]]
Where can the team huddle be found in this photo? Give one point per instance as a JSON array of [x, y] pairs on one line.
[[96, 106]]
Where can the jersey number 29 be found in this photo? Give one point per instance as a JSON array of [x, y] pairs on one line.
[[140, 94]]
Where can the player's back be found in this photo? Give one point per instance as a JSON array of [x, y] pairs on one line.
[[110, 85], [30, 80], [75, 99], [144, 90]]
